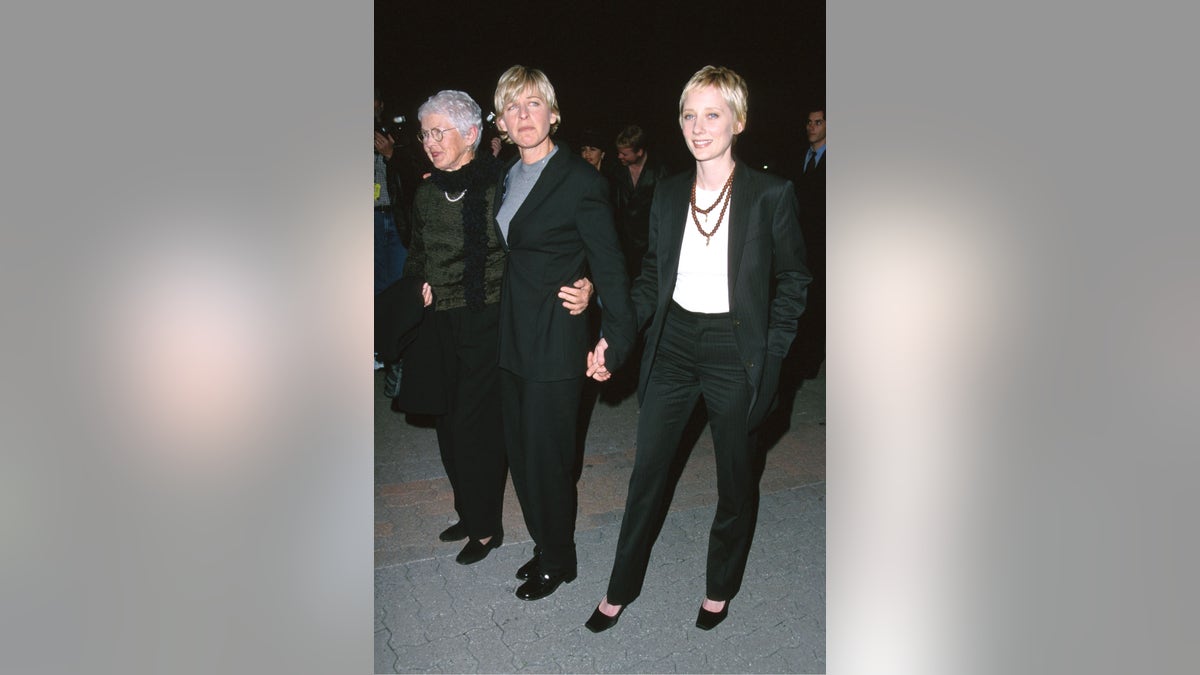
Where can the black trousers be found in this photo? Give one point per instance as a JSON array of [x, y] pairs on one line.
[[469, 434], [696, 357], [539, 428]]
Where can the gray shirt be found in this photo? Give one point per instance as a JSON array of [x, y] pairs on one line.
[[517, 185]]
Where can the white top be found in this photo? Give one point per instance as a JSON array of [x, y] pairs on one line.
[[702, 284]]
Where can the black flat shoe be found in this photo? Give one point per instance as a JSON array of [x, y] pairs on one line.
[[707, 620], [455, 532], [542, 584], [475, 551], [530, 568], [601, 622]]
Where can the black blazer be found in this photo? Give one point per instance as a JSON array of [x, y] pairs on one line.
[[810, 189], [765, 249], [563, 231], [632, 203]]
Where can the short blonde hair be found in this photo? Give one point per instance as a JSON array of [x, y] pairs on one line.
[[514, 82], [731, 85]]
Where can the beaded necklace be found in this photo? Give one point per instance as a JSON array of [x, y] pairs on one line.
[[723, 199]]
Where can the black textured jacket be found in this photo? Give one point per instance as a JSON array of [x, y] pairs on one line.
[[444, 250], [631, 206]]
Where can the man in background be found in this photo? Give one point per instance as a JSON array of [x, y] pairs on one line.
[[809, 348], [390, 220], [633, 190]]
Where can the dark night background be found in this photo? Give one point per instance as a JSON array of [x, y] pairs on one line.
[[613, 63]]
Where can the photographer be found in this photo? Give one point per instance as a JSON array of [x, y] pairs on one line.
[[391, 228]]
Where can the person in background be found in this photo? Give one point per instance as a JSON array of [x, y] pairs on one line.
[[722, 285], [634, 182], [809, 351], [390, 230], [591, 148]]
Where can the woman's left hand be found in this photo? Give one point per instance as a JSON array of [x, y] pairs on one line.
[[595, 362]]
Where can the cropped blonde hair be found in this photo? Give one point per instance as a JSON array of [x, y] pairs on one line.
[[514, 82], [731, 85]]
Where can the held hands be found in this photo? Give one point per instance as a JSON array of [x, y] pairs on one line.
[[595, 362], [576, 296], [427, 294]]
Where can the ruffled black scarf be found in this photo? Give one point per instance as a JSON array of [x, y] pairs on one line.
[[476, 177]]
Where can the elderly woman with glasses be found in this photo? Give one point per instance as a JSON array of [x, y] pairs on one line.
[[555, 221], [455, 249]]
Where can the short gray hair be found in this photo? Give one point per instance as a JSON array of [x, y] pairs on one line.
[[458, 106]]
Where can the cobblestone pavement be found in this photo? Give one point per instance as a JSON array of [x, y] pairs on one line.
[[434, 615]]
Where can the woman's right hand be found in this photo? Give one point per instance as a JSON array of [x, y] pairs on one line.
[[576, 296], [427, 294]]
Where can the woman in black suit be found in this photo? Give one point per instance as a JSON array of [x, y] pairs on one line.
[[720, 237], [555, 222]]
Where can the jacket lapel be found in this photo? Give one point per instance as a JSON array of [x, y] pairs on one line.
[[501, 184], [739, 221], [552, 175], [674, 225]]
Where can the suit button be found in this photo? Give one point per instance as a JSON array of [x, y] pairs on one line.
[[737, 322], [749, 364]]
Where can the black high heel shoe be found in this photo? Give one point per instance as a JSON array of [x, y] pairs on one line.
[[707, 620], [600, 622]]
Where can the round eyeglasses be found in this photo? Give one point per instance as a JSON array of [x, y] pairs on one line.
[[435, 133]]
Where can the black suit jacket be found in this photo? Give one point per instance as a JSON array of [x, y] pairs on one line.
[[563, 231], [810, 189], [632, 203], [766, 249]]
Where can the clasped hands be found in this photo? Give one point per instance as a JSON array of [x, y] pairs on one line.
[[595, 362]]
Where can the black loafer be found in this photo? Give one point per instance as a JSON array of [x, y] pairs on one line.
[[475, 551], [601, 622], [530, 568], [542, 584], [455, 532], [707, 620]]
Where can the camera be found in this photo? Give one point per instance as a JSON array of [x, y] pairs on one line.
[[391, 128]]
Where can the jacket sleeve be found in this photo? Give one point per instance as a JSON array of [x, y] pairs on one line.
[[791, 275], [645, 287], [607, 266], [791, 279]]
